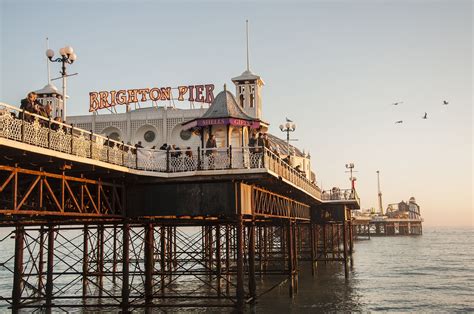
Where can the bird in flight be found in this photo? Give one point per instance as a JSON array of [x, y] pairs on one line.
[[425, 116], [397, 103], [399, 121], [445, 102], [288, 120]]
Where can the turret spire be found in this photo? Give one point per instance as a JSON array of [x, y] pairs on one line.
[[247, 28]]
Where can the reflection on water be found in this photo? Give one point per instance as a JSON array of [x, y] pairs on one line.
[[433, 272], [327, 291]]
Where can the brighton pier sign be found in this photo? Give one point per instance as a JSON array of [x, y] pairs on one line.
[[191, 93]]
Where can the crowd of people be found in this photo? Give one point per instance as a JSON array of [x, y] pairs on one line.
[[30, 104], [257, 144]]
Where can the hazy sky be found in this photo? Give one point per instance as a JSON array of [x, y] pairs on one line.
[[333, 67]]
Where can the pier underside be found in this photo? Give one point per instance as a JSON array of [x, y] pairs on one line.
[[105, 237]]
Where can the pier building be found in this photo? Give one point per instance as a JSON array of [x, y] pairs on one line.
[[403, 218], [106, 224]]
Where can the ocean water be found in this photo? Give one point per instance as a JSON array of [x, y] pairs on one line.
[[429, 273]]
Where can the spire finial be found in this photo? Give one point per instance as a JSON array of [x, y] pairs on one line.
[[247, 28], [225, 87]]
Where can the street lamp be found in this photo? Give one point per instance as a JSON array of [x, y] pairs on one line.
[[288, 127], [350, 166], [67, 56]]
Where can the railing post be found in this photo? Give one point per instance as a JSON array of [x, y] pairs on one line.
[[136, 157], [230, 156], [168, 159], [108, 150], [91, 144], [264, 152], [199, 159], [72, 139], [23, 126], [123, 153], [49, 133]]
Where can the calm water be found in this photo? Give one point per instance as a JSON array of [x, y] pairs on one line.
[[429, 273]]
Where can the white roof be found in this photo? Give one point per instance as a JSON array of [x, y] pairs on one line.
[[247, 75], [48, 89]]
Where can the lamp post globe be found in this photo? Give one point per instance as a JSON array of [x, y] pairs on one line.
[[288, 127], [50, 53]]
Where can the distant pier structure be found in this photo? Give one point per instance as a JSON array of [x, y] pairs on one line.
[[104, 225], [400, 219]]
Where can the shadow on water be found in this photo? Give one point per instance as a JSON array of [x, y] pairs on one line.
[[327, 291]]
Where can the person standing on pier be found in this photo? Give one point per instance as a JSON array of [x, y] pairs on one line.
[[30, 104], [211, 146]]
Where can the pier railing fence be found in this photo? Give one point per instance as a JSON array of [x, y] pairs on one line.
[[34, 129]]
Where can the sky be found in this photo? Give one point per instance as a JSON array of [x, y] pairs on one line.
[[333, 67]]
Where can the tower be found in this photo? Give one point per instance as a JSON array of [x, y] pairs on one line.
[[50, 95], [248, 88]]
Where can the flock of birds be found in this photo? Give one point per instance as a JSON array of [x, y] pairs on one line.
[[425, 116]]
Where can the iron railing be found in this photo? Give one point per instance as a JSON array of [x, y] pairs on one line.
[[26, 127], [336, 194]]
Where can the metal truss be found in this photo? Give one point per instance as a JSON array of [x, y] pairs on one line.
[[269, 204], [31, 192]]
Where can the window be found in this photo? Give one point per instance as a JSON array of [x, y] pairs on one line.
[[114, 136], [149, 136], [185, 135]]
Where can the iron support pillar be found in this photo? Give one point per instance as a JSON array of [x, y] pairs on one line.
[[18, 267]]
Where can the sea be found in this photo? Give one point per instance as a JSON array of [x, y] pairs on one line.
[[433, 272]]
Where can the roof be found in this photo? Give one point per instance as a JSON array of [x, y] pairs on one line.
[[246, 76], [48, 89], [274, 141], [225, 106]]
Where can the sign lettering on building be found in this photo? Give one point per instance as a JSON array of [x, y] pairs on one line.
[[191, 93]]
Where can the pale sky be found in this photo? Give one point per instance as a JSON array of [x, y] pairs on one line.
[[332, 67]]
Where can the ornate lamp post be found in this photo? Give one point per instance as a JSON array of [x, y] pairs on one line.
[[288, 127], [67, 56], [350, 166]]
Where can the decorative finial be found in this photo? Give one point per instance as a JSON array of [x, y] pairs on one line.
[[225, 87], [248, 62]]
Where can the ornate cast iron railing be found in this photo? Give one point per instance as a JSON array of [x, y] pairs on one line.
[[22, 126], [336, 194]]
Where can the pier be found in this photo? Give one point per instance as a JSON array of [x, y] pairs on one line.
[[100, 224], [365, 228]]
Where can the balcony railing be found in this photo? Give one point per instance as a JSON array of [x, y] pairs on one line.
[[336, 194], [22, 126]]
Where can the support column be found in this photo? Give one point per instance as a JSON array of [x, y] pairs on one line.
[[162, 257], [49, 276], [100, 258], [125, 267], [240, 263], [227, 258], [18, 268], [41, 261], [291, 281], [218, 259], [149, 249], [252, 281], [85, 260], [344, 236]]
